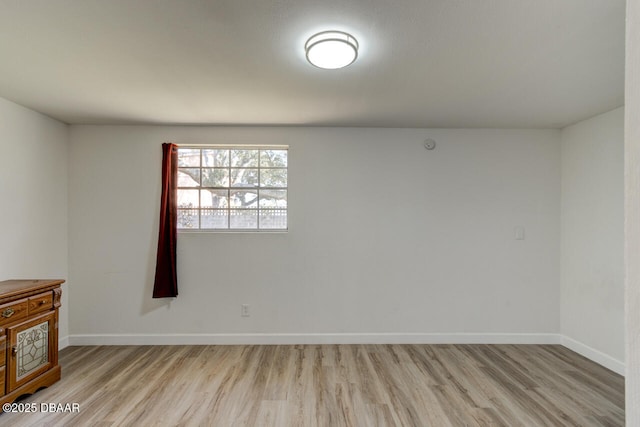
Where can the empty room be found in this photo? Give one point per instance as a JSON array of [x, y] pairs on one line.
[[304, 213]]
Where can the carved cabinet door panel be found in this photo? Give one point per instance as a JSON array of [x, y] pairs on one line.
[[30, 349]]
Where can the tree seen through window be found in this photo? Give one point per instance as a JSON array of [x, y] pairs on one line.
[[232, 188]]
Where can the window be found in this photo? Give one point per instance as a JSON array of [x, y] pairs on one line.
[[232, 188]]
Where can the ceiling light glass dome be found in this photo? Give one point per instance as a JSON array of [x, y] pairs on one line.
[[331, 49]]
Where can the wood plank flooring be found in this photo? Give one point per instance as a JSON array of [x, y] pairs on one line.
[[330, 385]]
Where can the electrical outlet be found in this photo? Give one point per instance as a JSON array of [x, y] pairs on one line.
[[244, 310]]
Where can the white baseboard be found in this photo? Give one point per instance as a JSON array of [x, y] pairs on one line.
[[345, 338], [289, 339], [63, 342], [597, 356]]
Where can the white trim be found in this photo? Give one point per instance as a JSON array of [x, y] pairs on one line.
[[63, 342], [594, 355], [237, 146], [289, 339], [345, 338], [234, 230]]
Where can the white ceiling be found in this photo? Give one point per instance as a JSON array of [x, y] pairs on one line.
[[422, 63]]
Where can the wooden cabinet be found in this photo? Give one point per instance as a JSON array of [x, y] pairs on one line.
[[28, 336]]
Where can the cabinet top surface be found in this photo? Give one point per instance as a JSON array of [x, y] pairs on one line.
[[16, 287]]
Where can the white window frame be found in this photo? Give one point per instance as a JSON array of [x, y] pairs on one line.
[[258, 188]]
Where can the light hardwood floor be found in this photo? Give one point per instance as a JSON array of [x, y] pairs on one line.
[[330, 385]]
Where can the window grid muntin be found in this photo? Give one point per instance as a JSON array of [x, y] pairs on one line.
[[257, 188]]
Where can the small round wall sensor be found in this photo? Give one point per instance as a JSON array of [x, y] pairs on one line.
[[429, 144]]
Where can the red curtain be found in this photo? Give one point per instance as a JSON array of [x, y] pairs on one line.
[[166, 280]]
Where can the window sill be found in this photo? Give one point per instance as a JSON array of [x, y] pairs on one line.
[[187, 231]]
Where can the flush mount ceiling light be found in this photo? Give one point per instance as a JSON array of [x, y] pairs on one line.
[[331, 49]]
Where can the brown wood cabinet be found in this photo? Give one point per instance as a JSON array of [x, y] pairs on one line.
[[28, 336]]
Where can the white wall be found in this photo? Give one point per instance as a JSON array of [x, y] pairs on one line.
[[632, 212], [592, 248], [385, 237], [33, 191]]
